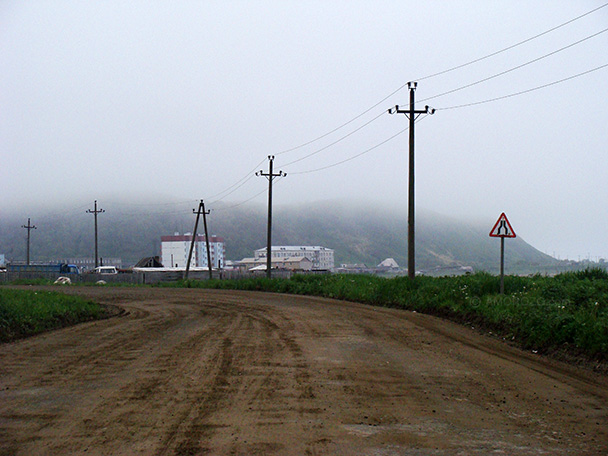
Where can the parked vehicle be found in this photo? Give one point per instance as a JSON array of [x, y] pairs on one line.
[[105, 270], [50, 268]]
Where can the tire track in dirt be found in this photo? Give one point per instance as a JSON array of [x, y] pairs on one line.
[[218, 372]]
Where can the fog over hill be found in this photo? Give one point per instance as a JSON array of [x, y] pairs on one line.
[[358, 234]]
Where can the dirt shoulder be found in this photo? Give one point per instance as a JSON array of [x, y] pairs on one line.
[[220, 372]]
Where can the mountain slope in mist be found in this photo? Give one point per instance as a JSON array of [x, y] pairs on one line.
[[358, 234]]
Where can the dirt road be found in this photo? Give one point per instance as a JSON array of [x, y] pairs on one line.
[[188, 372]]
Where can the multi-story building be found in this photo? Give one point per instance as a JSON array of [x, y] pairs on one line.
[[321, 257], [175, 250]]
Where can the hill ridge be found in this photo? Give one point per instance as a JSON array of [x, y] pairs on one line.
[[357, 234]]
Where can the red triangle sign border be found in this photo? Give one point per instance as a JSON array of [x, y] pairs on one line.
[[510, 231]]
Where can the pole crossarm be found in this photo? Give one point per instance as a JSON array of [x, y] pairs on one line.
[[410, 111], [270, 175], [29, 226], [427, 110]]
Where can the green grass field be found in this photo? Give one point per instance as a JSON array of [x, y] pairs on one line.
[[25, 312], [566, 312]]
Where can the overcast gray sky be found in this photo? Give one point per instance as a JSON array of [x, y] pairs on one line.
[[184, 99]]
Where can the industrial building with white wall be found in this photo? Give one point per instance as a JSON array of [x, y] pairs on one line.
[[322, 258], [175, 250]]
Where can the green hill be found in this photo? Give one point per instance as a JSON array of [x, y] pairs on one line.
[[358, 234]]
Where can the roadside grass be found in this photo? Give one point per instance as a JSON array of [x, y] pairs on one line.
[[29, 282], [568, 312], [27, 312]]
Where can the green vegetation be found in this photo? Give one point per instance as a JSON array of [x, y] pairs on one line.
[[25, 312], [39, 281], [565, 312]]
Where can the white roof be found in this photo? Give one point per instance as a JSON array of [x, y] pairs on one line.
[[293, 247], [388, 263]]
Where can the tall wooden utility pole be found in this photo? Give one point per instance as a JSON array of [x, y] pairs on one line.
[[270, 176], [29, 228], [412, 114], [95, 212]]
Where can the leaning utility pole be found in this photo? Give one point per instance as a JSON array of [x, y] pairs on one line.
[[412, 114], [29, 227], [95, 212], [198, 212], [270, 176]]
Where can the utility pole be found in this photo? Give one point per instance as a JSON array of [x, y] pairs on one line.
[[412, 114], [270, 176], [198, 212], [29, 227], [95, 212]]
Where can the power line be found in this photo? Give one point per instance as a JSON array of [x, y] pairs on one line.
[[336, 141], [174, 203], [527, 40], [344, 124], [231, 189], [513, 45], [235, 189], [247, 178], [242, 202], [140, 214], [516, 67], [244, 178], [357, 155], [353, 157], [523, 91], [455, 90]]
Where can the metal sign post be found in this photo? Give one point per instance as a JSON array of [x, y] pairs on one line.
[[502, 229]]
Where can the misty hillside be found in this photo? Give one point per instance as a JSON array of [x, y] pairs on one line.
[[357, 234]]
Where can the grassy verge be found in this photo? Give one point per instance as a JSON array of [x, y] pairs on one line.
[[568, 312], [24, 313]]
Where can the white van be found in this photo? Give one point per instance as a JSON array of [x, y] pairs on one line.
[[105, 270]]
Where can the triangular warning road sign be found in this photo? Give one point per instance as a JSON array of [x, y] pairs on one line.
[[502, 228]]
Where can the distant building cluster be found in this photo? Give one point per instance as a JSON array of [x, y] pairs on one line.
[[175, 250], [292, 257], [321, 257], [389, 266]]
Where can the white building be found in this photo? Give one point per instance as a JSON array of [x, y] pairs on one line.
[[175, 250], [321, 257], [298, 263]]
